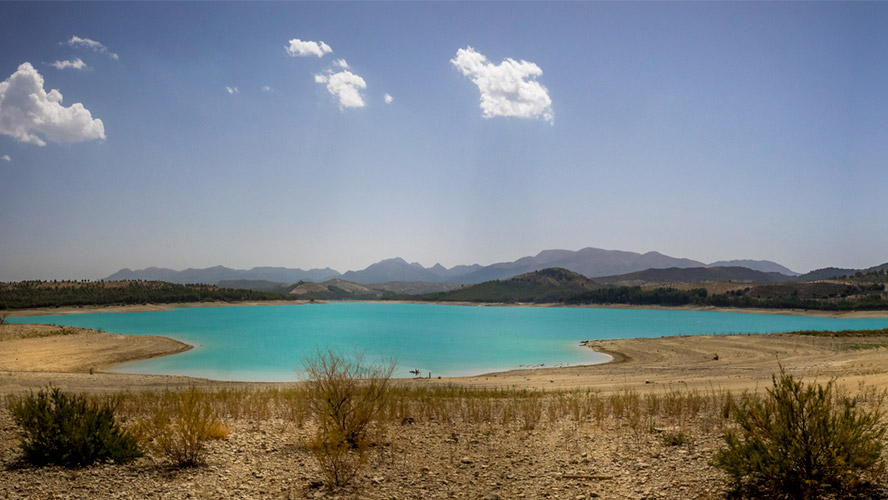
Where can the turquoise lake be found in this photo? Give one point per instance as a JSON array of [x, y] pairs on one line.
[[269, 343]]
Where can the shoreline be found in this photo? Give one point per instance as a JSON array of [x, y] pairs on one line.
[[66, 310], [80, 361]]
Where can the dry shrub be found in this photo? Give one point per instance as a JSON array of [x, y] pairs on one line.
[[179, 431], [218, 431], [346, 396]]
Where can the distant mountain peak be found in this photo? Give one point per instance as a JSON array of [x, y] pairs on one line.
[[590, 262]]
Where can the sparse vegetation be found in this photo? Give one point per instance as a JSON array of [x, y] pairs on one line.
[[802, 441], [62, 429], [348, 408], [346, 396], [179, 427]]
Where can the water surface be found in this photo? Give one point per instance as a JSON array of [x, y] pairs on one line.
[[269, 343]]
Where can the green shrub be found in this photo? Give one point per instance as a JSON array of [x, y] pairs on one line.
[[63, 429], [179, 431], [346, 396], [800, 442]]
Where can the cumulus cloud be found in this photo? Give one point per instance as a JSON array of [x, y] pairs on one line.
[[341, 63], [507, 89], [5, 158], [76, 41], [28, 112], [231, 90], [299, 48], [76, 64], [345, 86], [388, 99]]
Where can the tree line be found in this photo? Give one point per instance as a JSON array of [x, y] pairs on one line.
[[30, 294], [663, 296]]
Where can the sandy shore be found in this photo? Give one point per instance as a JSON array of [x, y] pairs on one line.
[[34, 356], [732, 362]]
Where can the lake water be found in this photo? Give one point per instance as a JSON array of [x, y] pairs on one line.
[[269, 343]]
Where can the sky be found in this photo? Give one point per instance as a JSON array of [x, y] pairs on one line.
[[339, 134]]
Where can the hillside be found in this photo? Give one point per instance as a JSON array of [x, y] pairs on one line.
[[559, 285], [546, 286], [215, 275], [336, 289], [876, 273], [339, 289], [695, 275], [765, 266]]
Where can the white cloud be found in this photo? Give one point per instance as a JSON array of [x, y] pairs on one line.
[[27, 112], [341, 63], [231, 90], [507, 89], [76, 64], [388, 99], [76, 41], [266, 88], [5, 158], [345, 86], [298, 48]]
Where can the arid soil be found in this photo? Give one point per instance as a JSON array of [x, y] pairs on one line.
[[266, 459]]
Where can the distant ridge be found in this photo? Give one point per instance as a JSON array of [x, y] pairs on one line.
[[589, 262], [835, 272], [695, 275], [765, 266], [213, 275]]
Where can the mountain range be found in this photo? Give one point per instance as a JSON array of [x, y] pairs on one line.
[[589, 262]]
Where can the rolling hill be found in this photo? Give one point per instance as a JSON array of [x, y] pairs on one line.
[[545, 286], [695, 275]]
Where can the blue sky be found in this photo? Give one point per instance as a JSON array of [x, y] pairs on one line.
[[702, 130]]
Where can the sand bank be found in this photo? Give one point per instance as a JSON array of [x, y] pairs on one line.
[[33, 356]]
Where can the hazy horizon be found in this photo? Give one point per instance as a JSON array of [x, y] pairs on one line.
[[312, 135]]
